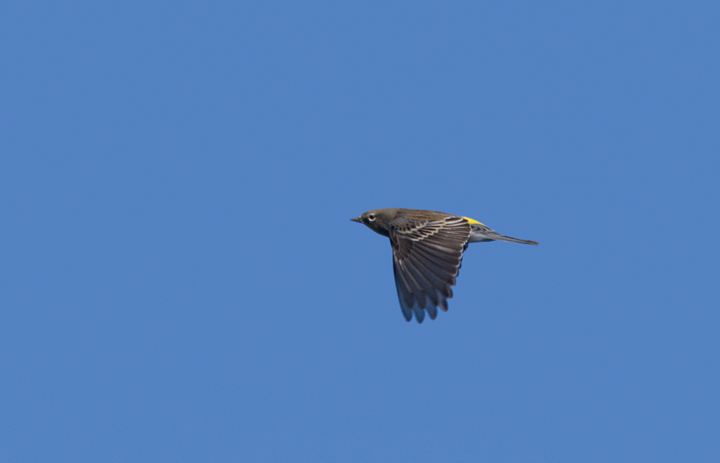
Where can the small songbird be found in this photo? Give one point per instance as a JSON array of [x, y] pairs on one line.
[[427, 252]]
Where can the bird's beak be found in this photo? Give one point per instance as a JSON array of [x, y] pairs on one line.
[[357, 219]]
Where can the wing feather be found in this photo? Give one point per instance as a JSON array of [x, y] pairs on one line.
[[404, 294], [427, 255]]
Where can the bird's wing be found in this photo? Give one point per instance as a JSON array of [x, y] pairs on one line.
[[427, 255]]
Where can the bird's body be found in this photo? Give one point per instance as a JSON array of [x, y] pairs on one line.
[[427, 253]]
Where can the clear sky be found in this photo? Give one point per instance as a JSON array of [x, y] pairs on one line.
[[180, 280]]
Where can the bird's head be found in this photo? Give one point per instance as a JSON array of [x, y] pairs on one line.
[[377, 220]]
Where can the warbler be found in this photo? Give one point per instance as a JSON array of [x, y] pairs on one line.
[[427, 253]]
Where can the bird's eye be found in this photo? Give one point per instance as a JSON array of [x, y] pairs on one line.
[[371, 217]]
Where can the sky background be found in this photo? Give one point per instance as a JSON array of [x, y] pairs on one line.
[[180, 281]]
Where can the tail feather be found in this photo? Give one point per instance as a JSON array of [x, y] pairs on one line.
[[498, 237], [480, 232], [487, 234]]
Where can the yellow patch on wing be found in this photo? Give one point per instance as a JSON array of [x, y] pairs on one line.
[[474, 221]]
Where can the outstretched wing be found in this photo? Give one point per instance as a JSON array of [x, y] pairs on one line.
[[427, 255]]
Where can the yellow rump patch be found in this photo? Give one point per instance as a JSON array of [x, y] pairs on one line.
[[474, 221]]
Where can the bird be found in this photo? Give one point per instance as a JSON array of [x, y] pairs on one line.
[[427, 247]]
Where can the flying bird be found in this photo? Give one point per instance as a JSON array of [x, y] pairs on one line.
[[427, 253]]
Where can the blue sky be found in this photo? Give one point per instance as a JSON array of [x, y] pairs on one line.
[[180, 280]]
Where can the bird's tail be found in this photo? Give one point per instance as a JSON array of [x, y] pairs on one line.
[[499, 237], [491, 235]]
